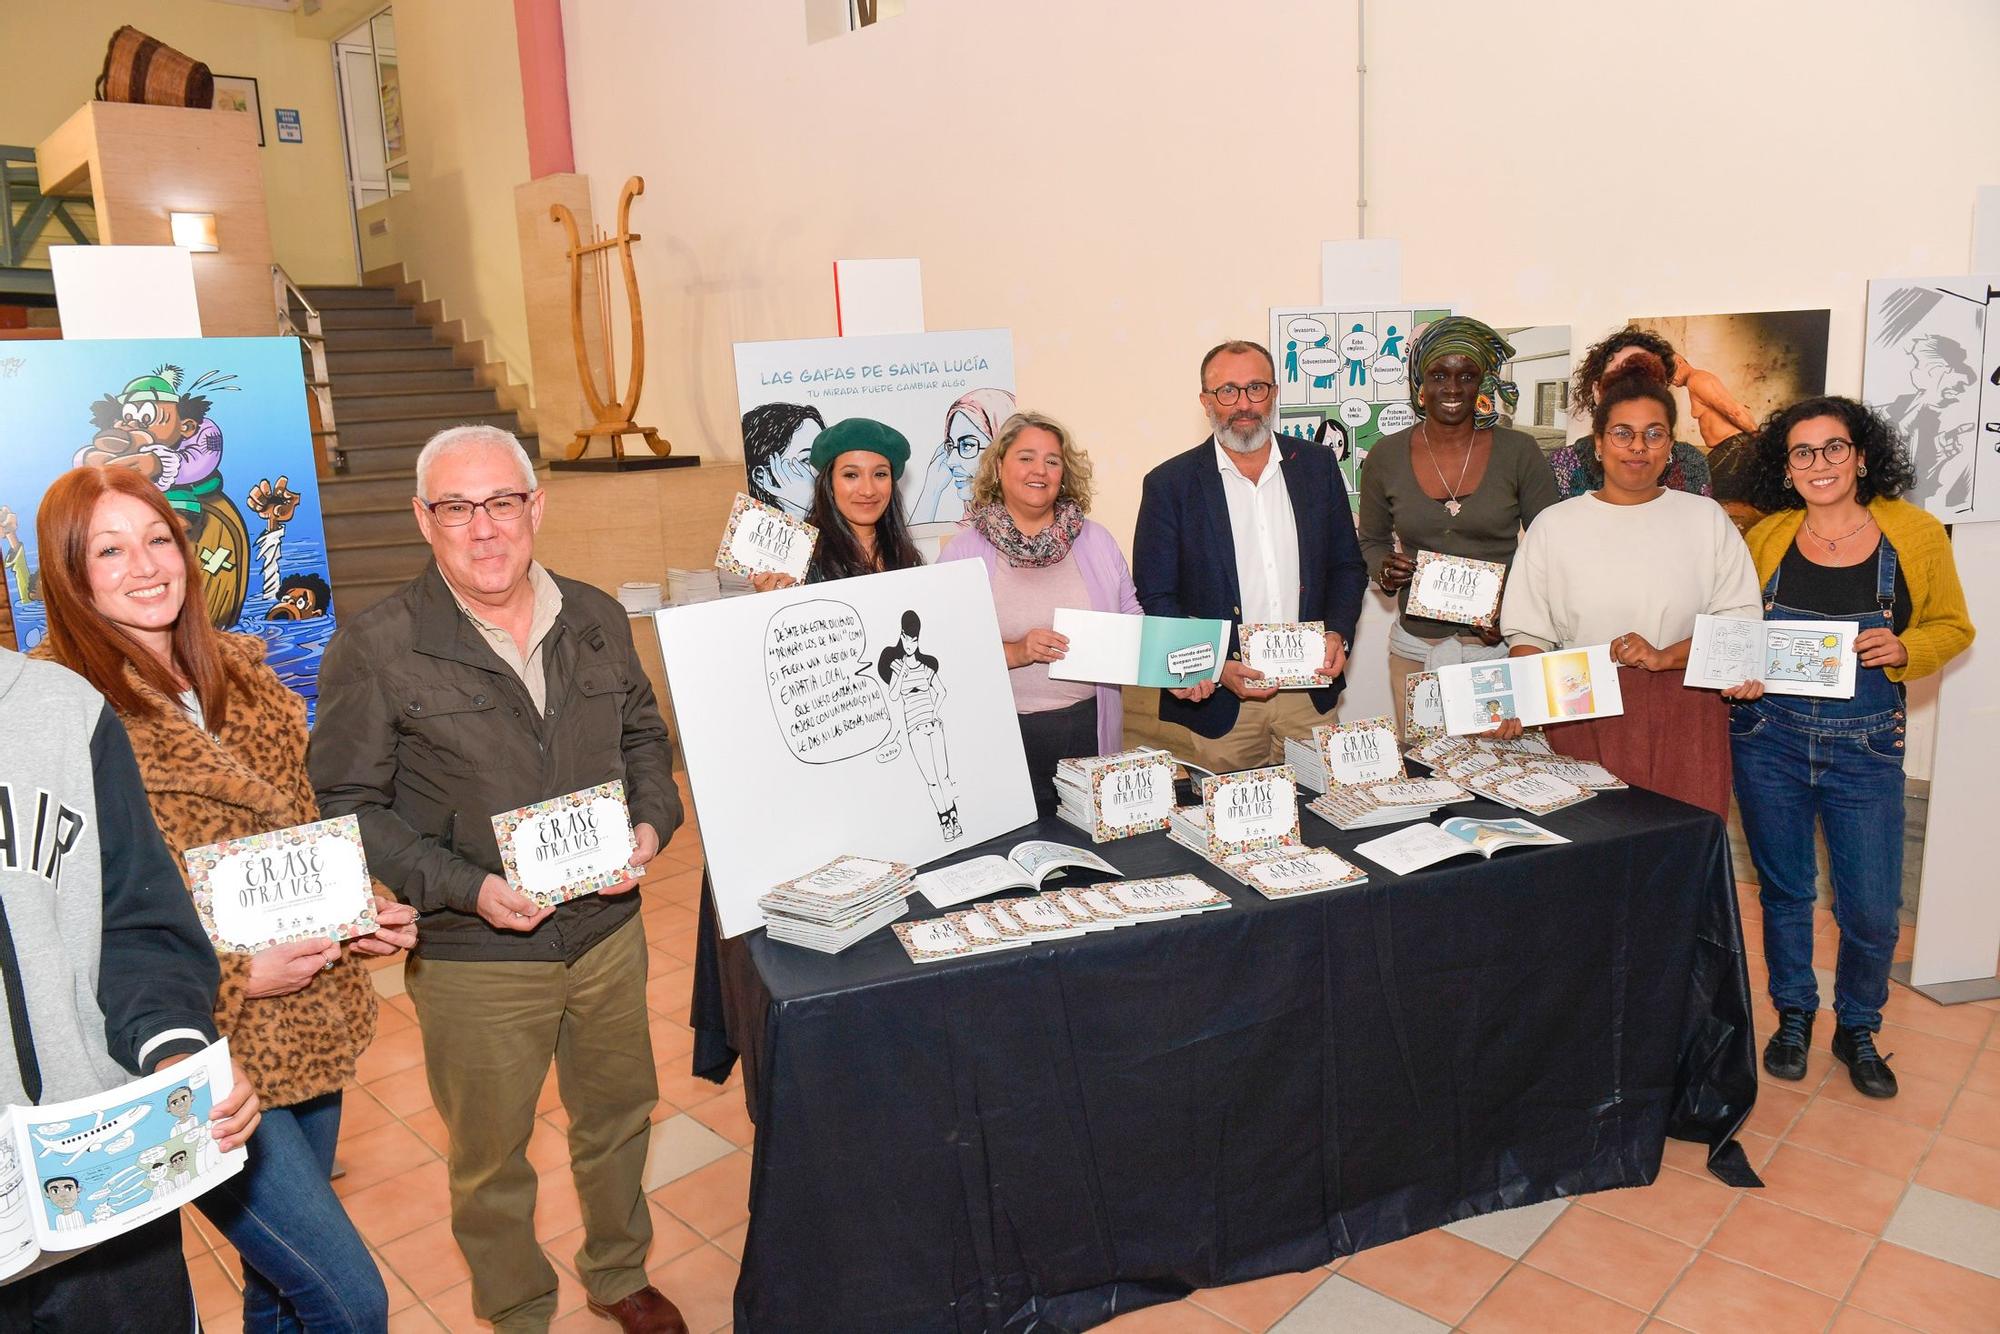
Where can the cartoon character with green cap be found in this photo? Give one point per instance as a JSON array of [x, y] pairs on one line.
[[163, 431]]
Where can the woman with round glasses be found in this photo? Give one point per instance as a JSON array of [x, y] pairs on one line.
[[945, 489], [1457, 482], [1632, 564], [1839, 545]]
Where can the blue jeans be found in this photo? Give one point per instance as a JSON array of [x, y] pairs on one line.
[[304, 1265], [1793, 769]]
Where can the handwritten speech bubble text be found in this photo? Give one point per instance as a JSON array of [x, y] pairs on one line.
[[1306, 329], [1359, 345], [1354, 411], [828, 702]]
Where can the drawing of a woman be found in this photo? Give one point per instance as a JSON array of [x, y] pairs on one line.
[[945, 485], [917, 694]]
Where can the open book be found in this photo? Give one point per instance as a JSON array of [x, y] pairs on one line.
[[76, 1173], [1416, 846], [1790, 657], [1025, 866]]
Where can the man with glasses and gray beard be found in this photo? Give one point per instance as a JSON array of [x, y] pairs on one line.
[[1250, 528], [484, 685]]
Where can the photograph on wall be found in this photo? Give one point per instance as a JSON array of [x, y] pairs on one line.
[[878, 706], [1932, 364], [1539, 370], [1733, 371], [947, 393], [1343, 376], [219, 425]]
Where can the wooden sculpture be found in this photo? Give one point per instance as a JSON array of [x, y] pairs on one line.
[[614, 416]]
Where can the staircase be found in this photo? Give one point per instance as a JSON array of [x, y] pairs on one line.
[[395, 383]]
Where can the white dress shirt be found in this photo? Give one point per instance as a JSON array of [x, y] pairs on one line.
[[1266, 537]]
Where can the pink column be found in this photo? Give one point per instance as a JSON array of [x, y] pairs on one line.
[[544, 86]]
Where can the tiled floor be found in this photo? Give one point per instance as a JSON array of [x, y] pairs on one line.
[[1879, 1216]]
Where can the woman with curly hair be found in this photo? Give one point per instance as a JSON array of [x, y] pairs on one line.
[[1575, 465], [1839, 545], [1027, 524]]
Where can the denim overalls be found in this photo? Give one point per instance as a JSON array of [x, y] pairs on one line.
[[1840, 761]]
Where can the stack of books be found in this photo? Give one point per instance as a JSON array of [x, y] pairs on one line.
[[1392, 801], [1285, 875], [837, 904], [639, 596], [1307, 760], [1116, 796], [1055, 915], [1363, 781], [685, 587], [1523, 774], [1190, 830]]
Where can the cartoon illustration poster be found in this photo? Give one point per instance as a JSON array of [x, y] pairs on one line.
[[878, 706], [1343, 376], [76, 1173], [219, 425], [1932, 364], [947, 393]]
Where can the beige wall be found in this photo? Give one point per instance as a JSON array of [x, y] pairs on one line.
[[1070, 171], [54, 51], [1124, 185], [454, 230]]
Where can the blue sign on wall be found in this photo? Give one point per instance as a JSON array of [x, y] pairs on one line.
[[289, 129]]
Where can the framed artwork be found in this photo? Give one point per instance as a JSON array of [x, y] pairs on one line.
[[236, 93]]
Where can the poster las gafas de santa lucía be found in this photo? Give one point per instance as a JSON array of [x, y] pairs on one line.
[[948, 393], [219, 425]]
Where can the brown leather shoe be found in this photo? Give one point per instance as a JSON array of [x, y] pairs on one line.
[[646, 1311]]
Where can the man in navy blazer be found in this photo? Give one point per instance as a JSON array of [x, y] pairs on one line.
[[1249, 527]]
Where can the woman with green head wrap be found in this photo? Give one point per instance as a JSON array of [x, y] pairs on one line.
[[1457, 483]]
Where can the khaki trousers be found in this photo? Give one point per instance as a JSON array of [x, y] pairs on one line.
[[490, 1029], [1259, 736]]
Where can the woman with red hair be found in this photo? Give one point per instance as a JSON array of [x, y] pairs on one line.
[[221, 747]]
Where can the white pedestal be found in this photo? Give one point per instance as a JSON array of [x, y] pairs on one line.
[[1958, 917]]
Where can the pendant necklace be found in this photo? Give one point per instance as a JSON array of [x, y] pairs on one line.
[[1452, 506], [1830, 543]]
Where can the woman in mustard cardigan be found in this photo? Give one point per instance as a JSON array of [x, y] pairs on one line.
[[1839, 544]]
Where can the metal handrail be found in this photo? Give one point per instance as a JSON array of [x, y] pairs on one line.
[[326, 442]]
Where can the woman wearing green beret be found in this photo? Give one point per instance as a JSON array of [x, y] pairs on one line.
[[856, 463]]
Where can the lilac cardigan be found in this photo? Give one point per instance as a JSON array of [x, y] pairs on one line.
[[1109, 580]]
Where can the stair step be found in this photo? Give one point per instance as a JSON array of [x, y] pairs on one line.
[[368, 317], [364, 362], [349, 385], [397, 457], [420, 336], [329, 298], [371, 526], [416, 401], [374, 490], [417, 426], [400, 562]]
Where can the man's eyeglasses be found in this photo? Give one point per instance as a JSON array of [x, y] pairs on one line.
[[503, 508], [1653, 437], [1833, 451], [1226, 394]]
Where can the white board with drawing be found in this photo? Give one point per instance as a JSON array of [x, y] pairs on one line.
[[869, 716]]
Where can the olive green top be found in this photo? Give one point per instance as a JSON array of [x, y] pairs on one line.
[[1516, 486]]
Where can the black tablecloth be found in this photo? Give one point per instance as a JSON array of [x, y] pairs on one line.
[[1046, 1137]]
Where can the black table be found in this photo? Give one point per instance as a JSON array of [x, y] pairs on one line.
[[1043, 1138]]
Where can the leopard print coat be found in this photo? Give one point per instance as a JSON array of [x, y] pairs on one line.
[[249, 777]]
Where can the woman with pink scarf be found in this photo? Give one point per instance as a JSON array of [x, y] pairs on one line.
[[1026, 521]]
